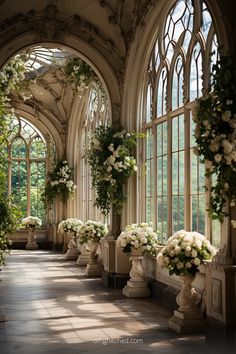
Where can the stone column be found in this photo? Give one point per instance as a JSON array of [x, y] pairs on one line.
[[221, 277]]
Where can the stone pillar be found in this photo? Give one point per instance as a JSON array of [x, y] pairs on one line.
[[221, 277]]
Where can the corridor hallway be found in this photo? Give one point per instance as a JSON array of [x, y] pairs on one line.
[[48, 306]]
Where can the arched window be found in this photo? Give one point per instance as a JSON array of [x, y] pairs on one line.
[[178, 72], [27, 161]]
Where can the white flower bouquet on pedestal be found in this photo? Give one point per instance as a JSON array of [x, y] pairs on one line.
[[31, 222], [136, 240], [182, 255], [92, 232], [184, 252], [71, 226]]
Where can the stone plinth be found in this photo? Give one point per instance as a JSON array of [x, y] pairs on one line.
[[93, 269], [31, 244], [72, 252], [136, 286], [188, 318]]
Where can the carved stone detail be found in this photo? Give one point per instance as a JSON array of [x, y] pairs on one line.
[[50, 27]]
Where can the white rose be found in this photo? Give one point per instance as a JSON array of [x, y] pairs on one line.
[[197, 261], [217, 158], [179, 265], [194, 253], [188, 265]]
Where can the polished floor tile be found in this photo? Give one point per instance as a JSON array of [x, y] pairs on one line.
[[48, 306]]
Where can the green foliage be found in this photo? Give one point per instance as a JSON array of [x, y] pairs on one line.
[[79, 72], [10, 216], [11, 76], [112, 163], [58, 184], [215, 133]]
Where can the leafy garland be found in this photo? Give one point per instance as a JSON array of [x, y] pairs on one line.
[[112, 163], [215, 133], [59, 183]]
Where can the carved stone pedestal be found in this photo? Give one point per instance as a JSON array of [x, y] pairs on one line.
[[84, 256], [187, 319], [72, 252], [93, 269], [31, 244], [221, 293], [136, 286]]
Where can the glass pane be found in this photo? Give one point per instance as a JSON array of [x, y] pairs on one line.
[[181, 172], [149, 209], [18, 148], [194, 173], [159, 140], [175, 173], [177, 84], [206, 21], [161, 93], [159, 175], [149, 104], [148, 178], [165, 175], [37, 148], [37, 180], [196, 73], [149, 144], [19, 184], [175, 213], [175, 134], [181, 132], [164, 135]]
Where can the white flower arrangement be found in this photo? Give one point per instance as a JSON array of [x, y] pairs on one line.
[[59, 183], [138, 238], [184, 252], [110, 156], [70, 225], [215, 132], [31, 222], [92, 231]]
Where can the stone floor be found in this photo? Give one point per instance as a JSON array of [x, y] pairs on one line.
[[48, 306]]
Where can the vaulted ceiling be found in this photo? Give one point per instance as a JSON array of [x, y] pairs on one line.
[[108, 25]]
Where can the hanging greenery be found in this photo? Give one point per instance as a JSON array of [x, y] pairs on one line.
[[215, 133], [59, 183], [10, 217], [82, 75], [112, 163], [11, 75]]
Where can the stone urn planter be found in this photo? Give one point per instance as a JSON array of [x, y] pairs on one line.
[[72, 251], [31, 244], [136, 286], [93, 269]]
